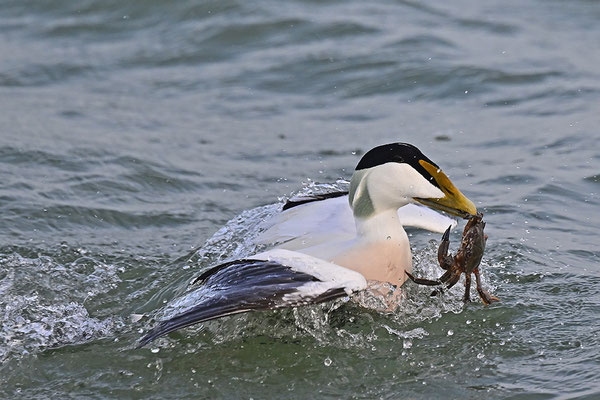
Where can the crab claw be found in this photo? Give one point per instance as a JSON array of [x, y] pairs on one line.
[[443, 258]]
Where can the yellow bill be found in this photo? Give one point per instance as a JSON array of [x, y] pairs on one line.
[[453, 202]]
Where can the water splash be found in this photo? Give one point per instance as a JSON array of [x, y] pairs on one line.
[[312, 188], [43, 302], [235, 239]]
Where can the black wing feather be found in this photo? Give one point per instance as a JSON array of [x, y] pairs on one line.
[[241, 286], [317, 197]]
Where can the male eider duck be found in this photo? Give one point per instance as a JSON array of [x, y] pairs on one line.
[[333, 245]]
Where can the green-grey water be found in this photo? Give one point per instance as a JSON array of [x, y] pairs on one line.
[[131, 133]]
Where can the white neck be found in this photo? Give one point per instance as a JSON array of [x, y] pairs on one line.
[[383, 225]]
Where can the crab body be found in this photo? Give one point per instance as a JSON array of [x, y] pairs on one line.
[[466, 261]]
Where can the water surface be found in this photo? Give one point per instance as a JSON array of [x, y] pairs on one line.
[[131, 134]]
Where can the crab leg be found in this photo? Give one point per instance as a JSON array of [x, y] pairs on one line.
[[485, 296], [467, 296], [422, 281], [450, 278]]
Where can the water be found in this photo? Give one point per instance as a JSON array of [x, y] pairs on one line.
[[131, 133]]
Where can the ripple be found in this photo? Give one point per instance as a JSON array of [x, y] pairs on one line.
[[516, 78], [556, 189], [476, 24], [441, 81], [96, 27], [487, 25], [218, 42], [522, 179], [57, 217], [553, 94], [86, 187], [14, 156], [36, 75], [420, 41], [592, 178]]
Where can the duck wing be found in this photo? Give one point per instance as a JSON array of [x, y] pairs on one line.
[[274, 279], [309, 222]]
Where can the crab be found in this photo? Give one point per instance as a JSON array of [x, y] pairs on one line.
[[466, 261]]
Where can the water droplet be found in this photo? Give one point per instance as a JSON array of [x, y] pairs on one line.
[[480, 355], [407, 344], [389, 238], [469, 322], [155, 350], [136, 317], [327, 361], [450, 332]]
